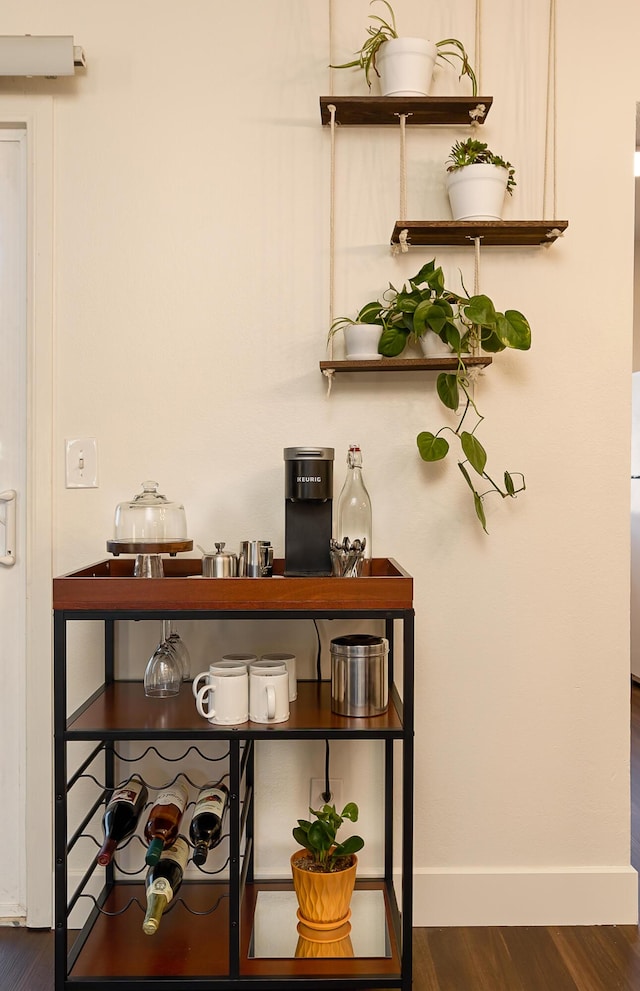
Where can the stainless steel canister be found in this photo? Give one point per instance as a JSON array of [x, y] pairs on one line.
[[359, 675], [255, 559], [219, 565]]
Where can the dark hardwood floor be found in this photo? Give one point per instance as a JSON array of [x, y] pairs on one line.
[[504, 958]]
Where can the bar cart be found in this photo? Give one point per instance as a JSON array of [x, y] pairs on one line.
[[213, 936]]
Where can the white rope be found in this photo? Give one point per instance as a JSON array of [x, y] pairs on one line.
[[331, 47], [476, 283], [478, 44], [332, 232], [328, 372], [403, 166], [550, 117]]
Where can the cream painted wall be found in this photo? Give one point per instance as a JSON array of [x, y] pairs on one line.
[[191, 308]]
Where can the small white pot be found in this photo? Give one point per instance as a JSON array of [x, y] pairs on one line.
[[433, 346], [406, 66], [361, 341], [477, 192]]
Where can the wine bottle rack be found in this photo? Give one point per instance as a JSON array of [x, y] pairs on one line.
[[208, 936]]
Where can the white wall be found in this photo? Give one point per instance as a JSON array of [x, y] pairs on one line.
[[191, 309]]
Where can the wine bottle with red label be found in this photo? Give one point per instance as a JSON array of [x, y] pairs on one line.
[[164, 820], [163, 881], [205, 830], [121, 817]]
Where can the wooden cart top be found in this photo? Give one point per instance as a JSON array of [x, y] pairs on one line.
[[110, 585]]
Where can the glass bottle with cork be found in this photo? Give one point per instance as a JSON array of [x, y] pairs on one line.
[[353, 519]]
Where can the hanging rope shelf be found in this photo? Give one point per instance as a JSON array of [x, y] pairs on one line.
[[336, 111]]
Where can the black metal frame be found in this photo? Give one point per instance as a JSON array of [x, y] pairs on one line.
[[241, 764]]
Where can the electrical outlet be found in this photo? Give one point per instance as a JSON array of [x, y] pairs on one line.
[[316, 798]]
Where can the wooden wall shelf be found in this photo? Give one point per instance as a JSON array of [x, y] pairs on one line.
[[406, 364], [492, 232], [420, 109]]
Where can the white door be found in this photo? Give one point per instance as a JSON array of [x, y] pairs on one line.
[[13, 414], [26, 342]]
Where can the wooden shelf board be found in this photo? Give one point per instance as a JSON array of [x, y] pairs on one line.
[[194, 947], [184, 948], [122, 710], [420, 109], [492, 232], [405, 364]]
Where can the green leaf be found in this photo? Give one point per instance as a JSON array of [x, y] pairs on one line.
[[392, 341], [319, 836], [447, 388], [425, 273], [508, 484], [300, 836], [474, 451], [490, 341], [350, 811], [477, 501], [480, 310], [467, 476], [428, 316], [351, 845], [451, 335], [517, 332], [406, 302], [431, 448], [370, 312]]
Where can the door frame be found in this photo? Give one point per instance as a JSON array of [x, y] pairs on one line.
[[35, 114]]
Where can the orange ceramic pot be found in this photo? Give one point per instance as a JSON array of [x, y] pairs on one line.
[[323, 898]]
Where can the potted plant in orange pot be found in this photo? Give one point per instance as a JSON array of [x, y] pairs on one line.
[[324, 870]]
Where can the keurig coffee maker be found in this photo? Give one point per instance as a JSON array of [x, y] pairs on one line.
[[308, 509]]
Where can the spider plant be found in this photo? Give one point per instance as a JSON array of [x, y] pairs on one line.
[[384, 29]]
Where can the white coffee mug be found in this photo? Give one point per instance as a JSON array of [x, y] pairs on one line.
[[289, 661], [224, 700], [247, 659], [268, 696], [267, 664], [230, 662]]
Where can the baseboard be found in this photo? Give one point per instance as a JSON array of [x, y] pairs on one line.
[[11, 914], [588, 896]]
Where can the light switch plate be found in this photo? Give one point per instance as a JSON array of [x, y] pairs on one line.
[[81, 462]]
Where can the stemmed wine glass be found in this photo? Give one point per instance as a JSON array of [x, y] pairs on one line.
[[163, 674], [171, 636]]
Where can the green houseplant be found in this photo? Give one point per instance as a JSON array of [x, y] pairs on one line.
[[324, 870], [477, 180], [383, 31], [368, 327], [465, 323]]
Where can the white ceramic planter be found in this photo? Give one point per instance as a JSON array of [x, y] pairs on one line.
[[433, 346], [406, 66], [477, 192], [361, 341]]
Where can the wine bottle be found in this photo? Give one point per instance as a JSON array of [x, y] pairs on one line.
[[205, 830], [354, 504], [121, 816], [162, 882], [164, 820]]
